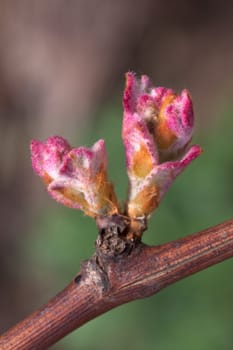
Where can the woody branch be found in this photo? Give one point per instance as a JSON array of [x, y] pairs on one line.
[[105, 282]]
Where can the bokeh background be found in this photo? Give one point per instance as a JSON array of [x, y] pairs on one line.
[[62, 66]]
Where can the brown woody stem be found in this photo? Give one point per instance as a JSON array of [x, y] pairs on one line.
[[106, 282]]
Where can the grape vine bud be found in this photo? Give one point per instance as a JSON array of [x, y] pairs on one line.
[[75, 177], [157, 127]]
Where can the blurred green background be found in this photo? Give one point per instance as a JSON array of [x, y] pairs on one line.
[[62, 68]]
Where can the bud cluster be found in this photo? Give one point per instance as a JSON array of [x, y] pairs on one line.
[[157, 128]]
